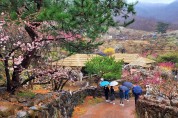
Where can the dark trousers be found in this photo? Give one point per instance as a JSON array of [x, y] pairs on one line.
[[127, 96], [121, 100], [106, 96], [136, 98]]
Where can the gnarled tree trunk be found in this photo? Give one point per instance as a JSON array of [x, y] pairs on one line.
[[7, 74], [27, 57]]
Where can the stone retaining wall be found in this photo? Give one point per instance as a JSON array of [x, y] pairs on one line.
[[150, 109], [60, 106]]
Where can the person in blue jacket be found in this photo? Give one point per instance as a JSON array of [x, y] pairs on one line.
[[127, 94]]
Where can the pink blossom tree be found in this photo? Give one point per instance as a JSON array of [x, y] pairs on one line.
[[18, 50], [167, 89], [31, 25]]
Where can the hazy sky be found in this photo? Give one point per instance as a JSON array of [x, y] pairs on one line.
[[153, 1]]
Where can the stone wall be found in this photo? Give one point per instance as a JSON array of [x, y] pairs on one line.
[[153, 109], [60, 105]]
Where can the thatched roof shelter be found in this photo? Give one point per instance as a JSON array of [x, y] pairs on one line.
[[127, 58], [76, 60], [141, 61]]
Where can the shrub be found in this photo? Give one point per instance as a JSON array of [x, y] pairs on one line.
[[109, 51], [168, 57], [105, 67]]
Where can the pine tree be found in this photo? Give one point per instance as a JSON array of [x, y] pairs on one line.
[[162, 27]]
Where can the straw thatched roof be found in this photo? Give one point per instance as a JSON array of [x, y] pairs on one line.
[[75, 60], [141, 61], [127, 58], [80, 60]]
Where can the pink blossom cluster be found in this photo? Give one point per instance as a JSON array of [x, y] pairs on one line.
[[55, 74], [125, 73], [18, 60], [155, 55], [154, 78], [70, 36], [2, 22], [31, 45], [166, 65], [145, 54], [3, 38], [136, 78]]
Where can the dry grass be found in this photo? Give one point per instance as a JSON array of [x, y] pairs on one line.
[[41, 91]]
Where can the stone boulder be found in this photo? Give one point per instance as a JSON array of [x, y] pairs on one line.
[[22, 114]]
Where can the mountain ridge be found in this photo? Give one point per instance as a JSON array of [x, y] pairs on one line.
[[148, 14]]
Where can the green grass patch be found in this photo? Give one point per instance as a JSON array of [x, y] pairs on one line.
[[26, 94]]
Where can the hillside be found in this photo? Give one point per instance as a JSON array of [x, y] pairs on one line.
[[149, 14], [160, 12], [148, 24], [137, 41], [124, 34]]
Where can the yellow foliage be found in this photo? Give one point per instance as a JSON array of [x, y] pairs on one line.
[[109, 51]]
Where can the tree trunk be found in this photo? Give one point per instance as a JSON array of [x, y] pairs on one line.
[[7, 74], [15, 76], [25, 64], [56, 84], [98, 81], [28, 56], [64, 84]]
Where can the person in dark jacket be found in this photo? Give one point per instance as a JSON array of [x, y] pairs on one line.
[[106, 93], [136, 94], [136, 97], [112, 90], [112, 95], [121, 95]]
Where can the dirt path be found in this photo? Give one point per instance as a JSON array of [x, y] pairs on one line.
[[108, 110]]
